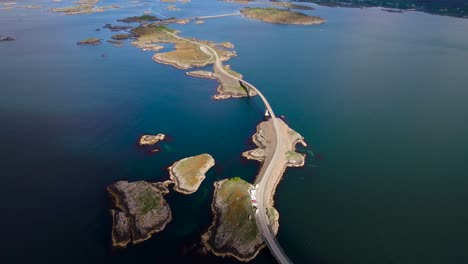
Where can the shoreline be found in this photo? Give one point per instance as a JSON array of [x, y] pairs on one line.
[[179, 178], [208, 235]]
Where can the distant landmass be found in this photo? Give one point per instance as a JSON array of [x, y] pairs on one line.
[[456, 8]]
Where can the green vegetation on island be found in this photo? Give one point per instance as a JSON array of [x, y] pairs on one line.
[[233, 231], [143, 18], [456, 8], [187, 174], [281, 16], [140, 210]]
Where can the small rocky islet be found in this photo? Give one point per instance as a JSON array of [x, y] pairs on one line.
[[89, 41], [234, 232]]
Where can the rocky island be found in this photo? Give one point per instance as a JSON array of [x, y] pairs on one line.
[[121, 36], [89, 41], [83, 7], [234, 231], [149, 140], [281, 16], [140, 211], [139, 19], [187, 174]]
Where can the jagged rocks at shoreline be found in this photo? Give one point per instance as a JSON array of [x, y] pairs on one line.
[[149, 140], [234, 231], [262, 138], [140, 211], [187, 174]]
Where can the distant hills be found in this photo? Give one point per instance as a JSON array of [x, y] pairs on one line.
[[456, 8]]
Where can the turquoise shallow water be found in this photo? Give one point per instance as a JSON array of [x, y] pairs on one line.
[[379, 97]]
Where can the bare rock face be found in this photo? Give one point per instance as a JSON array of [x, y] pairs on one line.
[[149, 140], [121, 230], [140, 211]]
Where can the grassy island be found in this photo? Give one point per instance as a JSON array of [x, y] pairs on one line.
[[140, 211], [281, 16], [188, 173], [234, 231]]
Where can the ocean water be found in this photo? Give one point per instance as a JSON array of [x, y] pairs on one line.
[[379, 97]]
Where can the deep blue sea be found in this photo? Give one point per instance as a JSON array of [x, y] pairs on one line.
[[381, 99]]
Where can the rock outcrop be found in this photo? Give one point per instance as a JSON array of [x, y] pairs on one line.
[[140, 211]]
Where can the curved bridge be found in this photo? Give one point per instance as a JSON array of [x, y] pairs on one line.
[[263, 177]]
